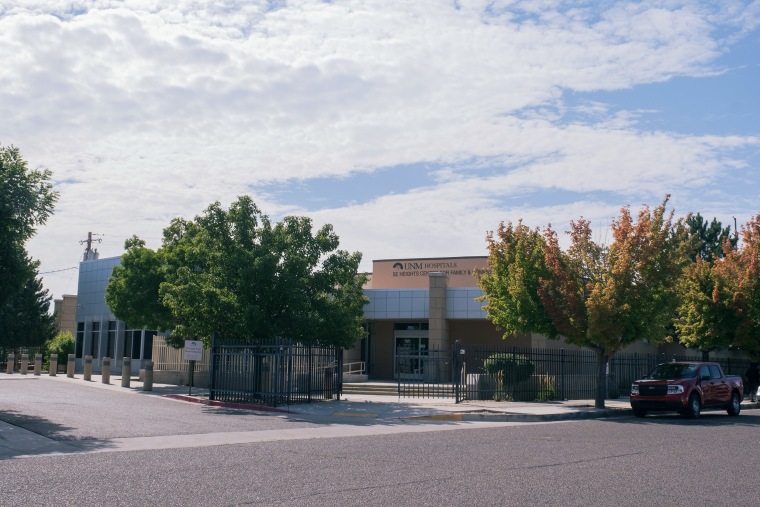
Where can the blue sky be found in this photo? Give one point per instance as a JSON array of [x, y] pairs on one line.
[[412, 127]]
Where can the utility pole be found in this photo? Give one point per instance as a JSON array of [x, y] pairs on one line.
[[89, 254]]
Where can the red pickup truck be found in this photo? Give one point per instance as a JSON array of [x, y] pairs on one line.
[[687, 387]]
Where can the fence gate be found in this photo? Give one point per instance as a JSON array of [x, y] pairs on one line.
[[428, 373], [274, 373]]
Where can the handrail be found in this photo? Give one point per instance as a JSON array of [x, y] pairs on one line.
[[355, 368]]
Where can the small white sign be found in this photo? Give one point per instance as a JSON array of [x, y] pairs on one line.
[[193, 350]]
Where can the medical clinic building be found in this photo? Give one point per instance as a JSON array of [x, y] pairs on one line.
[[416, 307], [420, 306]]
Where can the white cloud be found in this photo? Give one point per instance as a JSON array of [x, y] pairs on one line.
[[149, 110]]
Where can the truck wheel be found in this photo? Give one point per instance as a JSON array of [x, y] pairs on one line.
[[694, 407], [735, 406], [639, 412]]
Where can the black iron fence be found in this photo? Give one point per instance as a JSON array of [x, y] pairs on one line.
[[527, 374], [274, 373]]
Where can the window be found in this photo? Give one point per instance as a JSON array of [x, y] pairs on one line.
[[410, 326], [79, 343], [95, 339], [111, 343], [714, 371], [148, 351]]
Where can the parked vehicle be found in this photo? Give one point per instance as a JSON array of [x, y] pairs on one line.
[[687, 388]]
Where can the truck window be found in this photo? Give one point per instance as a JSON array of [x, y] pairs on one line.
[[704, 373], [715, 371]]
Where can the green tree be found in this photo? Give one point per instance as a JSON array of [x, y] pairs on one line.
[[516, 265], [234, 273], [604, 297], [24, 318], [706, 318], [26, 201], [709, 240]]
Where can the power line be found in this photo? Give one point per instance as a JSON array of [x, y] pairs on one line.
[[57, 270]]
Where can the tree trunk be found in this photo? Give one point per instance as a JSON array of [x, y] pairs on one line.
[[602, 358]]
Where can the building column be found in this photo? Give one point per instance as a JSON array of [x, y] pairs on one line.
[[438, 328]]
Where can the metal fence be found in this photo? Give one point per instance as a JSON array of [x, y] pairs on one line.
[[528, 374], [274, 373]]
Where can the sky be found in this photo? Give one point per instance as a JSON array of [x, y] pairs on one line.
[[413, 127]]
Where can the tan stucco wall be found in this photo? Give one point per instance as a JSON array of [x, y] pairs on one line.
[[413, 273]]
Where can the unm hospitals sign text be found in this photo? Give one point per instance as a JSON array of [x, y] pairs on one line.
[[414, 273]]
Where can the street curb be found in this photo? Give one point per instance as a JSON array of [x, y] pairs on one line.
[[501, 417], [225, 404]]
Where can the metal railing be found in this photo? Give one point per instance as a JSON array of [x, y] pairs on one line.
[[354, 368], [274, 373], [527, 374]]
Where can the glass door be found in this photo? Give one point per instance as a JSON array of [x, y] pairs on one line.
[[410, 354]]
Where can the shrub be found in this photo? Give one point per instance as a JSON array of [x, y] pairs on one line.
[[547, 392], [508, 370], [62, 344]]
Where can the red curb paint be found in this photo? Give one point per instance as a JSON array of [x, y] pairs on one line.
[[214, 403]]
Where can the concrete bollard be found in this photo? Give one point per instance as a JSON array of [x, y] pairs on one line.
[[38, 364], [148, 380], [10, 364], [70, 365], [24, 363], [53, 365], [88, 368], [126, 371], [106, 373]]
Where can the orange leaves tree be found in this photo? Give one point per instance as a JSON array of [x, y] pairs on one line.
[[595, 295], [720, 300]]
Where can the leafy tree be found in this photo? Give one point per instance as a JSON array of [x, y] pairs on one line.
[[234, 273], [706, 315], [516, 265], [603, 297], [747, 295], [26, 201], [62, 344], [716, 290]]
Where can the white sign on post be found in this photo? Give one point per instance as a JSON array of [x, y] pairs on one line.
[[193, 350]]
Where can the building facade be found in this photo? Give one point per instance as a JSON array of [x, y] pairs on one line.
[[98, 333], [417, 307]]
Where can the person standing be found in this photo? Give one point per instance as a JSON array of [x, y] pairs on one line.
[[753, 380]]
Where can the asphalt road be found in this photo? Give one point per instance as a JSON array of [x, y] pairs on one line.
[[663, 460]]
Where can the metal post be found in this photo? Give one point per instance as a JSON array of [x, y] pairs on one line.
[[24, 363], [10, 364], [562, 372], [212, 369], [88, 368], [38, 364], [106, 370], [190, 373]]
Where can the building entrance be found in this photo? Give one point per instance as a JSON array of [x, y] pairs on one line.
[[411, 352]]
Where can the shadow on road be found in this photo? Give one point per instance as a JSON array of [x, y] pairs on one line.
[[29, 435]]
